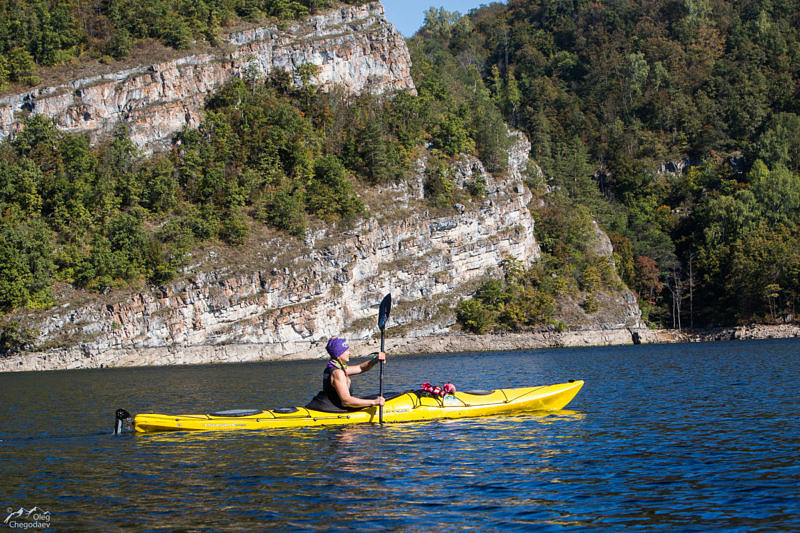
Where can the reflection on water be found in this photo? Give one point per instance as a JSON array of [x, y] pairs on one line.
[[377, 476], [693, 437]]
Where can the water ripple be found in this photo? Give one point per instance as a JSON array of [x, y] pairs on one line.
[[662, 438]]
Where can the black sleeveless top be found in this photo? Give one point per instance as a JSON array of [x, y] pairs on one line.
[[327, 399]]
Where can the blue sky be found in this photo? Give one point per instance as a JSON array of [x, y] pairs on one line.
[[407, 15]]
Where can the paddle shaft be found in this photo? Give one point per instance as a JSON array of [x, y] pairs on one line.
[[383, 316], [380, 393]]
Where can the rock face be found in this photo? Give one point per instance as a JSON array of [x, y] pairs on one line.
[[287, 297], [283, 297], [354, 46], [290, 297], [617, 309]]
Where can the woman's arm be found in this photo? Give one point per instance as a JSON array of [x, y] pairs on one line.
[[340, 384], [366, 365]]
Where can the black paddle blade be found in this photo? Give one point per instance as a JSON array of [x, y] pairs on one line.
[[383, 314]]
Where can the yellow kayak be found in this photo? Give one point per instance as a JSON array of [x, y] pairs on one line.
[[406, 407]]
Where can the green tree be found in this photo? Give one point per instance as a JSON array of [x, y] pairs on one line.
[[284, 210], [438, 23], [777, 191], [330, 194], [491, 136], [159, 185], [120, 45], [26, 265], [623, 257], [234, 228], [20, 65], [439, 185], [451, 137], [473, 316], [761, 262], [779, 145], [635, 72]]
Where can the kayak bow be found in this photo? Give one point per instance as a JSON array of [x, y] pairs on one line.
[[406, 407]]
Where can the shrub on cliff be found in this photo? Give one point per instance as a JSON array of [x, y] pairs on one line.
[[15, 337], [522, 300], [474, 317], [330, 193]]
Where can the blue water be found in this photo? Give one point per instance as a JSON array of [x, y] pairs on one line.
[[693, 437]]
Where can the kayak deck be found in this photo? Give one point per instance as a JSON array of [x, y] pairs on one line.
[[406, 407]]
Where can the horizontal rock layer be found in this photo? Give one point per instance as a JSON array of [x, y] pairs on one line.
[[354, 47], [295, 295]]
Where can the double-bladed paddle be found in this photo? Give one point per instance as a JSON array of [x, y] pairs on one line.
[[383, 316]]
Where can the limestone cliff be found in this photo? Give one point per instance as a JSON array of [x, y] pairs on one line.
[[283, 297], [277, 296], [353, 46]]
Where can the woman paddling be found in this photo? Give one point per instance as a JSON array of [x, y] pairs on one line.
[[335, 394]]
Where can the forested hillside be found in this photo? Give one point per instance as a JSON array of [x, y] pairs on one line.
[[269, 153], [675, 123], [612, 97]]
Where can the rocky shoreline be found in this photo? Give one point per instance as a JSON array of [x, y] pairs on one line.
[[460, 342], [445, 343]]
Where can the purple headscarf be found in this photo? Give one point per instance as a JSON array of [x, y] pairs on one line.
[[336, 347]]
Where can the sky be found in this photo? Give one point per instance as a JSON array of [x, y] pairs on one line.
[[407, 15]]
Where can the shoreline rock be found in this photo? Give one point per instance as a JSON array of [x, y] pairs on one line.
[[447, 343]]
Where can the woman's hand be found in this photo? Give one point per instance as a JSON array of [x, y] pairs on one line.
[[382, 357], [378, 401]]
